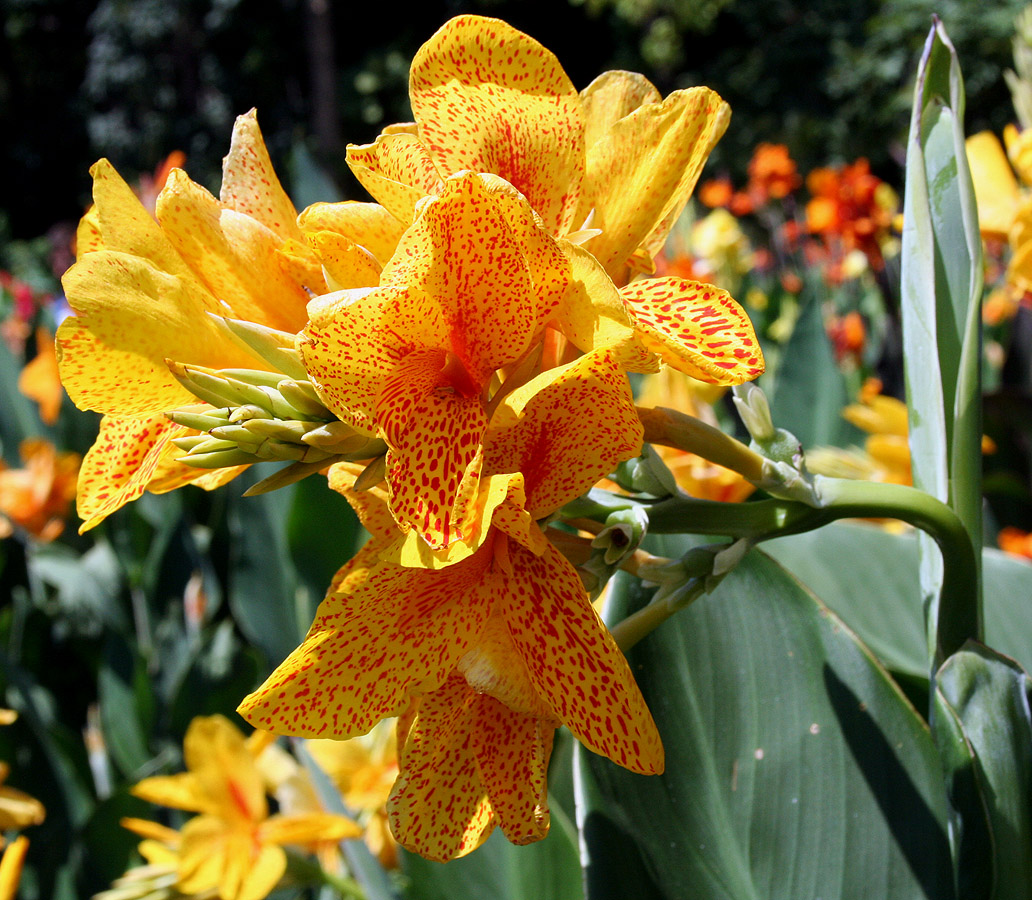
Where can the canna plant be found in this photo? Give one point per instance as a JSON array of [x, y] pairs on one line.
[[453, 358]]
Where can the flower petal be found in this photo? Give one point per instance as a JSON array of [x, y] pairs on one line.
[[397, 170], [216, 754], [593, 315], [249, 182], [575, 663], [642, 173], [345, 263], [182, 791], [564, 430], [370, 505], [610, 97], [233, 254], [382, 634], [996, 188], [131, 317], [438, 807], [367, 224], [512, 750], [696, 328], [489, 98], [126, 457], [307, 828]]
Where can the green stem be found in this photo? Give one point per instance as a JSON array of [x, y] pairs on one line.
[[842, 499], [308, 871]]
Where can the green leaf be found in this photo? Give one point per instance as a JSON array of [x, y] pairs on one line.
[[810, 390], [18, 419], [884, 606], [941, 290], [989, 695], [123, 695], [546, 870], [795, 767]]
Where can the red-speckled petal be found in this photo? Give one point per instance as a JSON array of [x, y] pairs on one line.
[[433, 466], [132, 317], [488, 98], [696, 328], [565, 430], [121, 463], [512, 751], [352, 344], [301, 265], [382, 634], [462, 253], [610, 97], [369, 505], [124, 225], [438, 807], [397, 170], [367, 224], [250, 184], [233, 254], [593, 315], [642, 173], [575, 663], [87, 234]]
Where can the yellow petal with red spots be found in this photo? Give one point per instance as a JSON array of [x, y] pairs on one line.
[[434, 460], [397, 170], [609, 98], [233, 254], [369, 505], [593, 315], [131, 317], [87, 234], [302, 266], [565, 430], [349, 347], [126, 456], [124, 225], [215, 753], [382, 634], [489, 98], [367, 224], [641, 174], [512, 750], [250, 184], [695, 327], [438, 807], [575, 663]]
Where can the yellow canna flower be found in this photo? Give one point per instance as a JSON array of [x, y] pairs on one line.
[[494, 638], [11, 867], [17, 809], [233, 846], [145, 291]]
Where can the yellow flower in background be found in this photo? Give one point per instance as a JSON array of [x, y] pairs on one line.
[[364, 770], [145, 291], [233, 846], [11, 867], [17, 809], [38, 497]]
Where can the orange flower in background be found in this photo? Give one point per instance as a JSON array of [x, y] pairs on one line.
[[851, 207], [1015, 541], [40, 379], [38, 497], [848, 335], [772, 175]]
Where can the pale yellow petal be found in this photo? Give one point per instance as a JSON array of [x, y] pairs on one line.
[[367, 224], [642, 172], [996, 188], [250, 184], [131, 317], [610, 97], [232, 253], [307, 828]]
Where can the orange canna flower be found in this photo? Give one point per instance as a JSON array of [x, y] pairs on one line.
[[37, 498], [40, 380], [1015, 541], [772, 173], [495, 636]]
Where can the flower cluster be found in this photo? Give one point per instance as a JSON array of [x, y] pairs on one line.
[[454, 354]]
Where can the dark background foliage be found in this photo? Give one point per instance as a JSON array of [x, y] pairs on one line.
[[134, 79]]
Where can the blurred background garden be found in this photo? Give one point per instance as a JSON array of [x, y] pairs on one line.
[[112, 642]]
